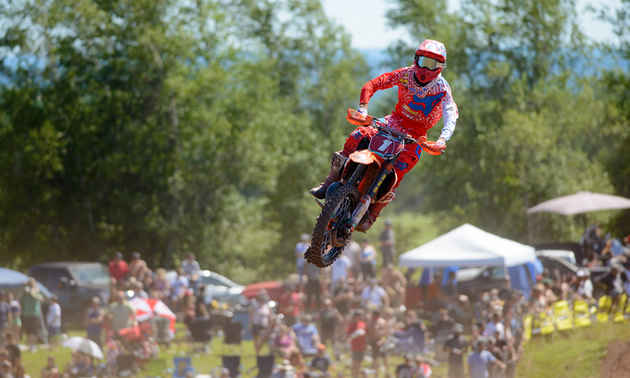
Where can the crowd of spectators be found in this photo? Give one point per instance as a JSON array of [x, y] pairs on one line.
[[340, 319]]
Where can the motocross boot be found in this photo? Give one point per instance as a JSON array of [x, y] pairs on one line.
[[336, 165], [373, 212]]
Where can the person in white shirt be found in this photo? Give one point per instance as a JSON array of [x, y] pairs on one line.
[[374, 296], [340, 268], [190, 265], [53, 322], [585, 287], [494, 326]]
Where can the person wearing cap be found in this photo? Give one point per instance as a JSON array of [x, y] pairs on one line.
[[356, 332], [322, 362], [456, 346], [138, 267], [118, 268], [94, 317], [387, 242], [480, 358], [300, 249]]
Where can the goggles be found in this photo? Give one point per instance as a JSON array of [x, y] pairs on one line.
[[429, 63]]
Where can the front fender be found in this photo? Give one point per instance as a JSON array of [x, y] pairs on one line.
[[366, 157]]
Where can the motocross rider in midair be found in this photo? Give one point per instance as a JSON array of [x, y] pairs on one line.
[[424, 97]]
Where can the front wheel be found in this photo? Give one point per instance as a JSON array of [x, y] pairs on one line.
[[332, 233]]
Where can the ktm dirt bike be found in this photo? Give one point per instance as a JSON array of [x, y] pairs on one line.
[[367, 177]]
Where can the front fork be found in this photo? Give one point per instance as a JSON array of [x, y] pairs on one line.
[[366, 200]]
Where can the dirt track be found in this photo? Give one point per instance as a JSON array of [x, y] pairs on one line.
[[617, 362]]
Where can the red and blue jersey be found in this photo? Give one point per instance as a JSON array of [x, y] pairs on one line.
[[419, 107]]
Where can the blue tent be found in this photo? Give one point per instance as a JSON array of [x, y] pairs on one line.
[[12, 280]]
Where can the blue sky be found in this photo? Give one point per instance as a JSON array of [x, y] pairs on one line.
[[366, 23]]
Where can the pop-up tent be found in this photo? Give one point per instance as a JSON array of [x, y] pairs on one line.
[[468, 246]]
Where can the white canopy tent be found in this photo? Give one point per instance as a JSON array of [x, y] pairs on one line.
[[468, 245]]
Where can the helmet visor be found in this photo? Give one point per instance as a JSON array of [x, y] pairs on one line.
[[428, 63]]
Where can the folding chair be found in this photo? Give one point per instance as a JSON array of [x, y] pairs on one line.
[[233, 335], [162, 330], [126, 364], [200, 330], [182, 365], [233, 364], [264, 364]]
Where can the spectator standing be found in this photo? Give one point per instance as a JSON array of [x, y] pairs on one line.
[[479, 360], [493, 326], [291, 305], [387, 242], [259, 318], [353, 251], [6, 316], [15, 325], [329, 319], [342, 297], [94, 317], [444, 324], [307, 336], [137, 267], [121, 314], [367, 258], [614, 283], [456, 346], [374, 296], [161, 284], [190, 266], [118, 268], [31, 301], [377, 333], [395, 284], [16, 316], [53, 322], [300, 249], [201, 309], [179, 288], [339, 269], [358, 342], [313, 286]]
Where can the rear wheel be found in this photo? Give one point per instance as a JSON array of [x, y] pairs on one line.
[[332, 233]]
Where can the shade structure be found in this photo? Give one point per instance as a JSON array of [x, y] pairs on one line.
[[11, 279], [581, 202], [468, 245], [146, 308], [84, 345]]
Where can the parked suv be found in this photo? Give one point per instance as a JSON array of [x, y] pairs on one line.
[[75, 284]]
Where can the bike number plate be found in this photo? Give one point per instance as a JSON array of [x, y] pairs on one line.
[[383, 144]]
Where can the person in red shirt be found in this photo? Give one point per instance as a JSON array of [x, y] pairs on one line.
[[118, 268], [291, 305], [424, 97], [358, 342]]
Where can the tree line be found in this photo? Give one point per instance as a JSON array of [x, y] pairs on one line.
[[166, 126]]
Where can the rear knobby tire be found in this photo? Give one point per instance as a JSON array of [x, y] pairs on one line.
[[342, 200]]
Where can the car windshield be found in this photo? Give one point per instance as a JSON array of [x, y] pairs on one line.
[[91, 274]]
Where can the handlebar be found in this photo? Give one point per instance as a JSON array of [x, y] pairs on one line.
[[398, 134]]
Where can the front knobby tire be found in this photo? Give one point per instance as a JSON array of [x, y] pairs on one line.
[[322, 252]]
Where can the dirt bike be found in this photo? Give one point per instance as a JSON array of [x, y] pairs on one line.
[[367, 177]]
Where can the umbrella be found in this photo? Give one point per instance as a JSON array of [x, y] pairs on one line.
[[146, 308], [84, 345], [581, 202]]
